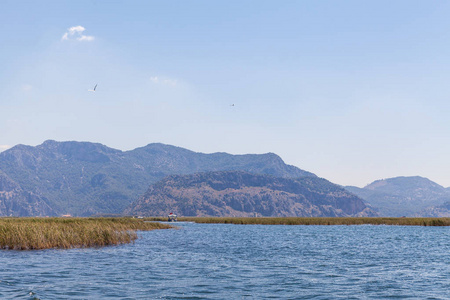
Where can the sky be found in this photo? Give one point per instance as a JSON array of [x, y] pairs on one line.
[[353, 91]]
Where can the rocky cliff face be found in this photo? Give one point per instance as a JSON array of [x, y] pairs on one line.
[[16, 202], [83, 179], [243, 194]]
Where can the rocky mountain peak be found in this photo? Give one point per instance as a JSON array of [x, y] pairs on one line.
[[238, 193]]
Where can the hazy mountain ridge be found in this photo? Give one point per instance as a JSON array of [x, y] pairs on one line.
[[237, 193], [83, 178], [14, 201], [439, 211], [404, 196]]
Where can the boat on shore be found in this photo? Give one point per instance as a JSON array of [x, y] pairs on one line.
[[172, 218]]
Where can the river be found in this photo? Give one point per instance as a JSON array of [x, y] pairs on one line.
[[223, 261]]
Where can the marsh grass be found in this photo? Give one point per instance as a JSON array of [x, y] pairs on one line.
[[317, 221], [65, 233]]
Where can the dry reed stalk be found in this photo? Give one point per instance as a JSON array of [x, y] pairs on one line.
[[45, 233], [315, 221]]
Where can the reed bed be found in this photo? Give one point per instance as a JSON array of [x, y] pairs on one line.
[[65, 233], [316, 221]]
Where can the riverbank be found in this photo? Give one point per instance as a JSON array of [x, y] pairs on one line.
[[65, 233], [315, 221]]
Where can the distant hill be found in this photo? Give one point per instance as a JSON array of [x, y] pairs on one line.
[[83, 179], [440, 211], [242, 194], [403, 196]]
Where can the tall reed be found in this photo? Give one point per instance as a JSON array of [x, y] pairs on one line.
[[316, 221], [44, 233]]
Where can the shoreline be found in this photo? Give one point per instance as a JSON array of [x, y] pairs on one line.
[[313, 220]]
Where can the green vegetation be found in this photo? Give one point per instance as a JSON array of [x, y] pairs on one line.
[[64, 233], [316, 221]]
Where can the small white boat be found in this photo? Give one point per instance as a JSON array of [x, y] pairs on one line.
[[172, 217]]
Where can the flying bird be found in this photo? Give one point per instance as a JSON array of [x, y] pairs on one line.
[[93, 89], [232, 105]]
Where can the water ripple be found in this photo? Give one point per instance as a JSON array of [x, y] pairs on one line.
[[219, 261]]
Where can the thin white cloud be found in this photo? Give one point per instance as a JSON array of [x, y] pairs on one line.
[[4, 147], [85, 38], [76, 33], [163, 81], [75, 29]]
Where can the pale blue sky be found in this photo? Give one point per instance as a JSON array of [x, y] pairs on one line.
[[353, 91]]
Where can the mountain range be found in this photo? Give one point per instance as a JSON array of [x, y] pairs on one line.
[[84, 179]]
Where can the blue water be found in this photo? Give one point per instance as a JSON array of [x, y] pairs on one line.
[[221, 261]]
